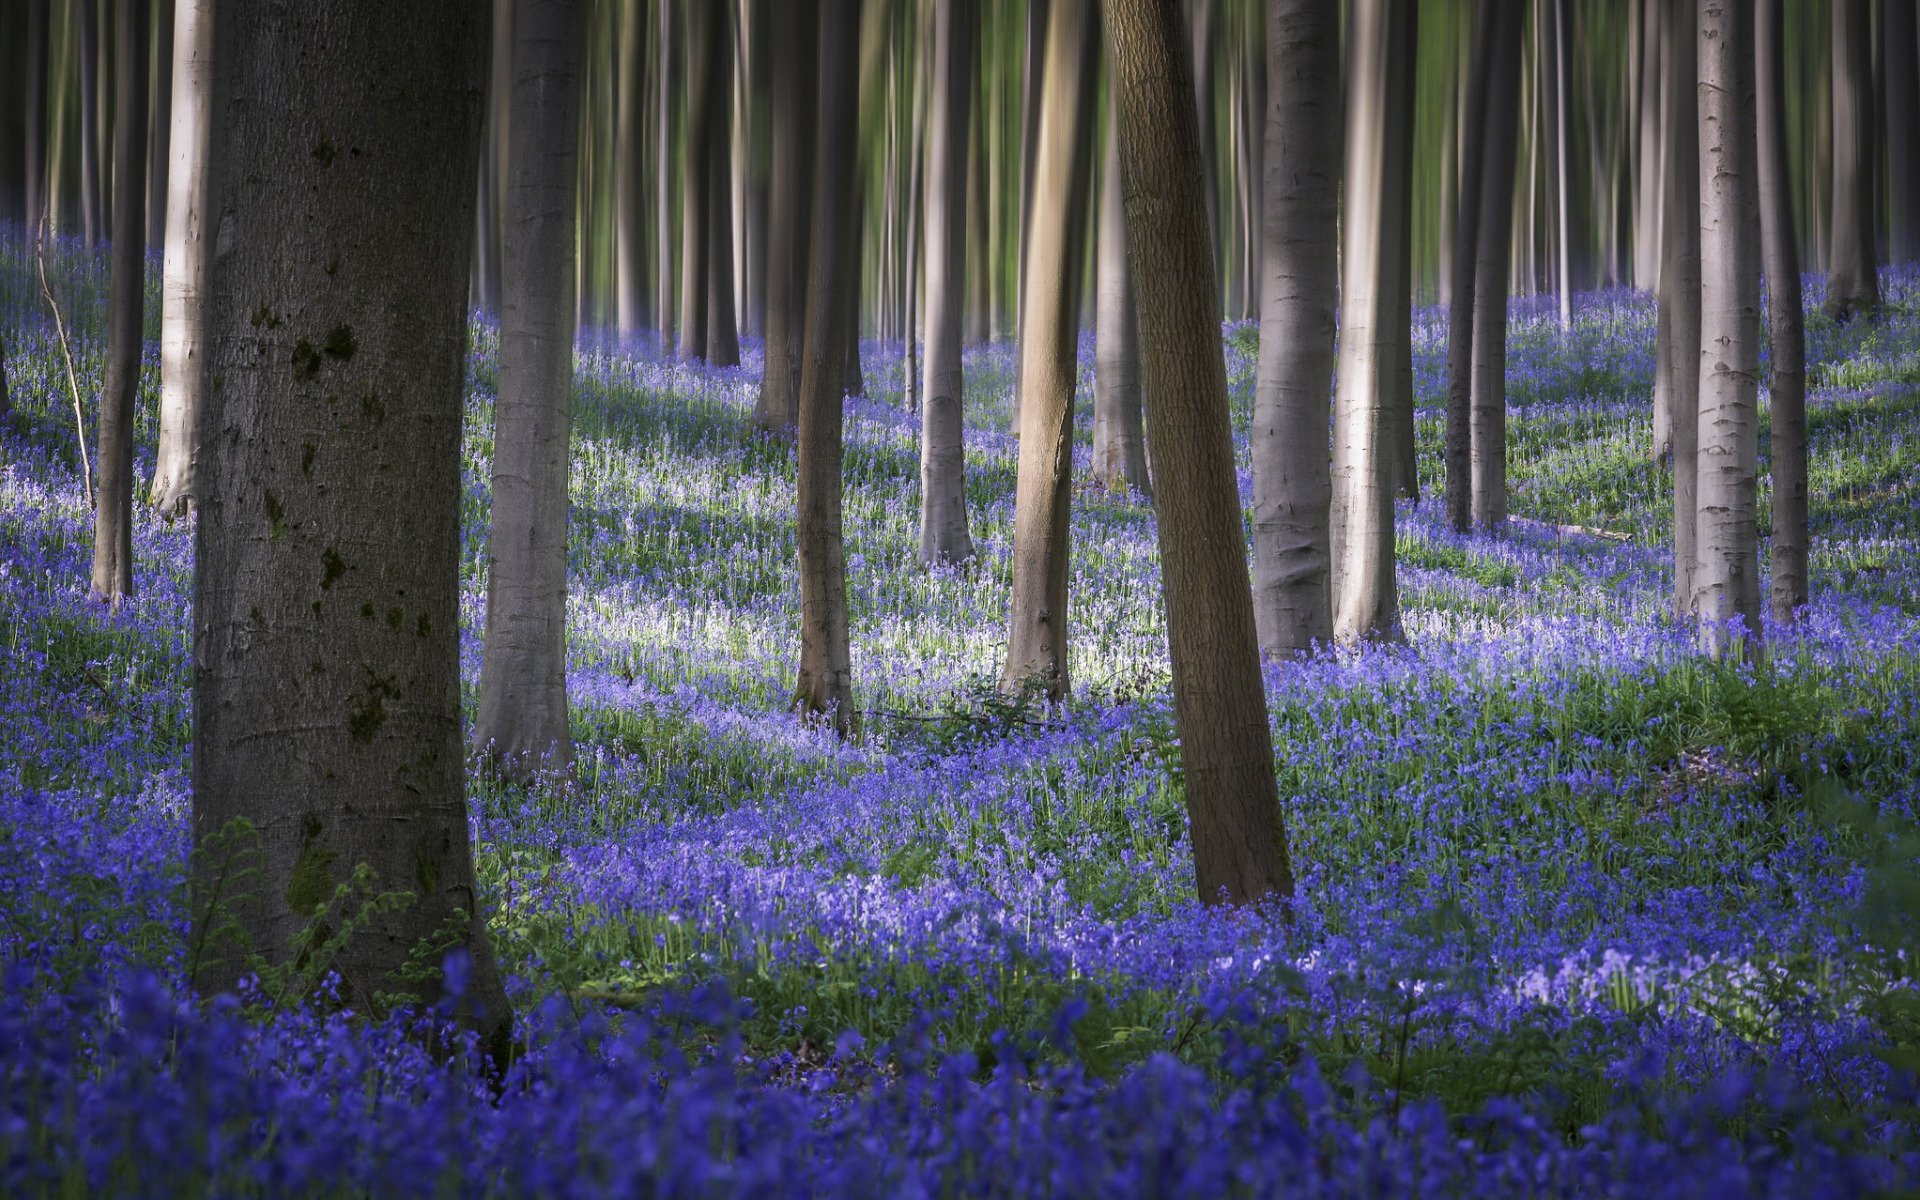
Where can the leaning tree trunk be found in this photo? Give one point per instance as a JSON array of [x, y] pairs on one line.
[[113, 492], [1903, 128], [1853, 283], [696, 178], [327, 743], [1787, 382], [1292, 487], [1366, 602], [522, 725], [944, 536], [1049, 336], [1677, 365], [1493, 251], [1728, 583], [1119, 440], [189, 251], [1465, 270], [825, 685], [86, 21], [1220, 706], [789, 221]]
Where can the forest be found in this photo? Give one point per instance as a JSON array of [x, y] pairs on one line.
[[911, 598]]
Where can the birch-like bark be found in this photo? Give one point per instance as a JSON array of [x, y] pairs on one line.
[[944, 535], [1292, 484], [1049, 334], [189, 251], [1853, 282], [522, 726], [327, 550], [1787, 381], [1728, 583], [1119, 438], [1677, 366], [1493, 250], [113, 492]]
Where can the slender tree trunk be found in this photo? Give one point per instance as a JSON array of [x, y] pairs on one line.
[[1787, 383], [789, 218], [630, 239], [1205, 15], [88, 53], [13, 71], [1487, 404], [113, 493], [944, 536], [1903, 128], [188, 254], [666, 90], [522, 725], [723, 332], [159, 112], [1292, 487], [758, 118], [1729, 359], [1049, 334], [825, 685], [1853, 283], [980, 262], [1677, 367], [696, 178], [1399, 276], [35, 113], [493, 153], [853, 380], [1650, 161], [1220, 708], [1460, 304], [1562, 150], [1119, 438], [326, 584], [1033, 84]]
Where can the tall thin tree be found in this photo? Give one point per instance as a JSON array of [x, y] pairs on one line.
[[33, 113], [789, 218], [1119, 439], [1493, 250], [1902, 47], [696, 177], [326, 582], [1465, 271], [86, 19], [522, 724], [188, 253], [1787, 376], [723, 330], [1677, 347], [1220, 708], [1292, 486], [629, 198], [1853, 281], [1049, 332]]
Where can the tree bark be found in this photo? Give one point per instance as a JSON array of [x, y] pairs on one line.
[[1729, 446], [723, 331], [1399, 277], [34, 111], [1292, 484], [188, 254], [1903, 128], [1650, 161], [1220, 709], [789, 218], [1465, 271], [629, 217], [159, 112], [825, 685], [113, 493], [1493, 251], [944, 536], [853, 380], [759, 122], [666, 82], [86, 21], [1119, 439], [1366, 603], [1677, 365], [696, 178], [1853, 283], [1787, 383], [1049, 336], [522, 724], [980, 262], [326, 585]]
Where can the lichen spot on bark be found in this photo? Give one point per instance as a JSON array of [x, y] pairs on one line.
[[308, 453], [276, 516], [395, 618], [332, 567], [311, 884], [366, 718], [426, 869], [325, 152], [425, 628], [372, 408], [339, 343], [306, 360]]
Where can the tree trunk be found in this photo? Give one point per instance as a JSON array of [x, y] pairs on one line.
[[188, 254], [980, 262], [1465, 269], [1677, 364], [1119, 440], [1220, 709], [758, 120], [667, 88], [1366, 603], [854, 381], [1399, 277], [1853, 283], [1649, 161], [34, 110], [789, 220], [1728, 584], [113, 492], [522, 724], [1493, 249], [630, 261], [86, 21], [723, 331], [696, 178], [1787, 383], [326, 588], [159, 110], [1049, 336], [1903, 128], [825, 685], [1205, 14], [944, 536], [1033, 83], [1292, 486]]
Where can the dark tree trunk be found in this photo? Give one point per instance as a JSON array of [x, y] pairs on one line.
[[1493, 250], [696, 177], [854, 381], [789, 218], [159, 126], [1903, 127], [758, 118], [522, 724], [629, 198], [1220, 708], [1049, 336], [1119, 439], [1677, 366], [34, 111], [667, 82], [326, 585], [1406, 468], [825, 685], [86, 21], [944, 536], [1292, 486], [113, 492], [1853, 283], [1787, 383], [1465, 268], [980, 262], [723, 332]]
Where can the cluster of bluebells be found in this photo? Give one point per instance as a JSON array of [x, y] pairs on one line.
[[988, 915]]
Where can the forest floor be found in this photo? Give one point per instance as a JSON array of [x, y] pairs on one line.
[[1579, 912]]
